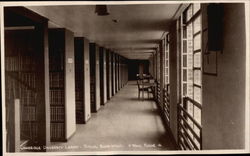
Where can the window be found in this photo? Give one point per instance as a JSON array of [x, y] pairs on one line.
[[189, 125], [166, 54], [166, 89]]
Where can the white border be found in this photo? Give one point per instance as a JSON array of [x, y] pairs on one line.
[[60, 3], [247, 96], [2, 79], [50, 3]]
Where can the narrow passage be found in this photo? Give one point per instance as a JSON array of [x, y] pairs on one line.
[[123, 124]]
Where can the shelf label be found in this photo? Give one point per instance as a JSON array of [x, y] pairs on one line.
[[70, 60]]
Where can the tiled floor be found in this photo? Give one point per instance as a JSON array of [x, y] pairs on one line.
[[123, 124]]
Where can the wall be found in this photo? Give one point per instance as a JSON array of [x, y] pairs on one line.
[[133, 69], [151, 65], [136, 67], [46, 83], [223, 109], [2, 98], [70, 84], [173, 79]]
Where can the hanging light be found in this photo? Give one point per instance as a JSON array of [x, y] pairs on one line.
[[101, 10]]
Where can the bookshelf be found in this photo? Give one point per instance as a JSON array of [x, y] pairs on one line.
[[79, 80], [92, 56], [57, 84], [108, 74], [102, 78], [26, 79], [112, 73], [82, 81], [104, 74], [94, 78], [115, 69], [22, 80]]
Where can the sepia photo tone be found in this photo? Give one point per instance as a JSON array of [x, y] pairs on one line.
[[125, 77]]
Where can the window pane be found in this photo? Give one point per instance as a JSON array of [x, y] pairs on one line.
[[184, 46], [190, 90], [196, 7], [189, 13], [197, 42], [190, 61], [197, 94], [197, 24], [184, 32], [189, 31], [197, 114], [197, 77], [184, 75], [190, 108], [197, 130], [166, 80], [184, 89], [197, 143], [190, 75], [166, 46], [197, 59], [184, 60]]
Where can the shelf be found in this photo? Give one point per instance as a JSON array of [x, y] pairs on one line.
[[31, 121], [57, 71], [55, 122], [29, 105], [56, 88], [57, 83]]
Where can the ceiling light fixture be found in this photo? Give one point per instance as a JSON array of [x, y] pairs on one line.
[[115, 20], [101, 10]]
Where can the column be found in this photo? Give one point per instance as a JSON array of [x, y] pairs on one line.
[[87, 110]]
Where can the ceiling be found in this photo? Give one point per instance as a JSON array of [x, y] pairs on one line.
[[135, 35]]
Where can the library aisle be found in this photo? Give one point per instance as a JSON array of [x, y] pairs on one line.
[[123, 124]]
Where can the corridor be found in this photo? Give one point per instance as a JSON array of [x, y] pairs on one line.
[[126, 124], [71, 73]]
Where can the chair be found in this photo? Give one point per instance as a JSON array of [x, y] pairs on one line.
[[151, 88], [137, 76], [142, 89]]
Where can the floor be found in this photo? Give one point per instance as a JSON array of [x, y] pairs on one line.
[[123, 124]]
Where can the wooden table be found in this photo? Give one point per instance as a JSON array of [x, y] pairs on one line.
[[148, 84]]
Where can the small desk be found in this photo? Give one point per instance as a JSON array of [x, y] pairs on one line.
[[148, 84]]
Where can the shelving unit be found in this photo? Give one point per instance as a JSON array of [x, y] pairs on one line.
[[79, 81], [94, 77], [112, 73], [21, 79], [103, 77], [108, 74], [57, 84], [92, 56]]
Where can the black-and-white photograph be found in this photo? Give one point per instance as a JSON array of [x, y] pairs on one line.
[[125, 77]]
